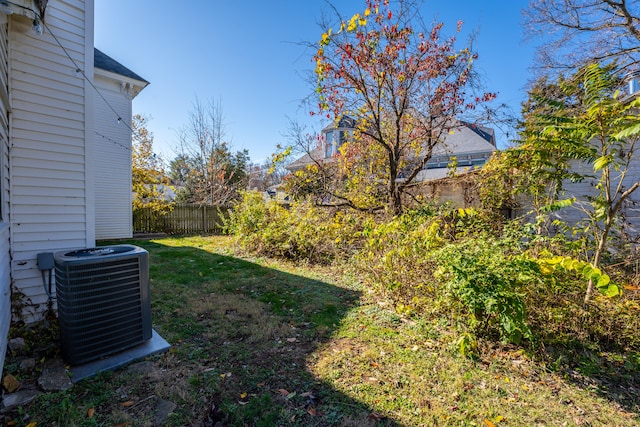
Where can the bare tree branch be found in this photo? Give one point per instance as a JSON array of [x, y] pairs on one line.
[[581, 31], [207, 171]]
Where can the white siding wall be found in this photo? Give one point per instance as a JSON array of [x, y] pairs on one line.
[[581, 190], [113, 161], [48, 178], [632, 210], [5, 277], [5, 292]]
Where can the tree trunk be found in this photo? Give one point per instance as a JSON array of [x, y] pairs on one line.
[[598, 256], [396, 202], [394, 195]]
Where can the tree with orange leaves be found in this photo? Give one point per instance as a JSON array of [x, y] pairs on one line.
[[406, 89]]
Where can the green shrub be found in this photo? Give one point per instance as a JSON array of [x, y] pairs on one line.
[[300, 231], [487, 285], [395, 258], [559, 316], [446, 263]]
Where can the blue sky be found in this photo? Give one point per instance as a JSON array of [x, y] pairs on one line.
[[248, 55]]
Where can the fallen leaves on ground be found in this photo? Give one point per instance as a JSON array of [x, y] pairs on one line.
[[492, 423], [314, 412], [10, 383], [283, 392]]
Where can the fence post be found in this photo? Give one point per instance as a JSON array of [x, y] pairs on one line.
[[204, 219]]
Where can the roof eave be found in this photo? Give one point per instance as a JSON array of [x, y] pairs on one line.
[[136, 85]]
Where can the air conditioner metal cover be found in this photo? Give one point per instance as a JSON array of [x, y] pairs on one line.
[[103, 300]]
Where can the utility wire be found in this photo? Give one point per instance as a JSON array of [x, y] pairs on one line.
[[84, 75], [38, 18], [113, 141]]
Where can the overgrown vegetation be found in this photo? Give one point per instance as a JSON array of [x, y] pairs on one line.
[[486, 271], [262, 342], [301, 231], [496, 279], [583, 129]]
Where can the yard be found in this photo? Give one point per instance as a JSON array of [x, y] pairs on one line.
[[265, 343]]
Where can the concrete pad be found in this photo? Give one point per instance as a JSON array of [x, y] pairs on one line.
[[155, 345]]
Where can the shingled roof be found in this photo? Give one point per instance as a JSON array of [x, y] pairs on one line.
[[105, 62]]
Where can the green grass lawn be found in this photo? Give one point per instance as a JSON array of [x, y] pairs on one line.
[[259, 342]]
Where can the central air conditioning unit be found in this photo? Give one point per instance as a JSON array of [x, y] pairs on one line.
[[103, 301]]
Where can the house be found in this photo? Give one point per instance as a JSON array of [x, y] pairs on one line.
[[467, 145], [332, 137], [465, 149], [622, 179], [64, 136], [450, 174], [118, 85]]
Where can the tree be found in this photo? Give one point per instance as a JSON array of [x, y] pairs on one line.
[[317, 178], [265, 175], [536, 167], [148, 179], [205, 169], [594, 123], [578, 32], [405, 89]]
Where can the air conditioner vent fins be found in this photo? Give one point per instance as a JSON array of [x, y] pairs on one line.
[[103, 301]]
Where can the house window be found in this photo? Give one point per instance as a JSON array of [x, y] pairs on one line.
[[334, 139], [328, 146]]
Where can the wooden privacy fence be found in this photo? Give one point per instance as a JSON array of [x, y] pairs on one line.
[[182, 219]]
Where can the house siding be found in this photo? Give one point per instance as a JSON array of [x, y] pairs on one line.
[[113, 172], [586, 188], [48, 177], [5, 275]]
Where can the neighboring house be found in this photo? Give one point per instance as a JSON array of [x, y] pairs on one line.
[[59, 134], [585, 189], [469, 146], [332, 137], [465, 149]]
